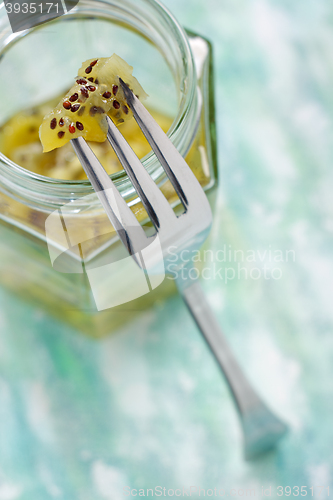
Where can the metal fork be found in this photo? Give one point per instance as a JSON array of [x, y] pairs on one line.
[[261, 428]]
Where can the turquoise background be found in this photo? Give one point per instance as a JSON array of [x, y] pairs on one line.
[[147, 406]]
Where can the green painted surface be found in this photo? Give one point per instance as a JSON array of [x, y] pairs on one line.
[[147, 406]]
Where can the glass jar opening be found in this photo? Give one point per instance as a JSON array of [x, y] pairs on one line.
[[146, 35]]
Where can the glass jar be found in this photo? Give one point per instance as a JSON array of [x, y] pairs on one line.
[[175, 68]]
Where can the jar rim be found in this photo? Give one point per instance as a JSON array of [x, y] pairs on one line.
[[56, 192]]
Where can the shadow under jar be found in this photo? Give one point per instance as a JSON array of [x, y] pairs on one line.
[[175, 69]]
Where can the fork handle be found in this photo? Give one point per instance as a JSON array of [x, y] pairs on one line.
[[261, 428]]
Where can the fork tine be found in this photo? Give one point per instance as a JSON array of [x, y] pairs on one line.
[[171, 160], [121, 216], [157, 206]]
